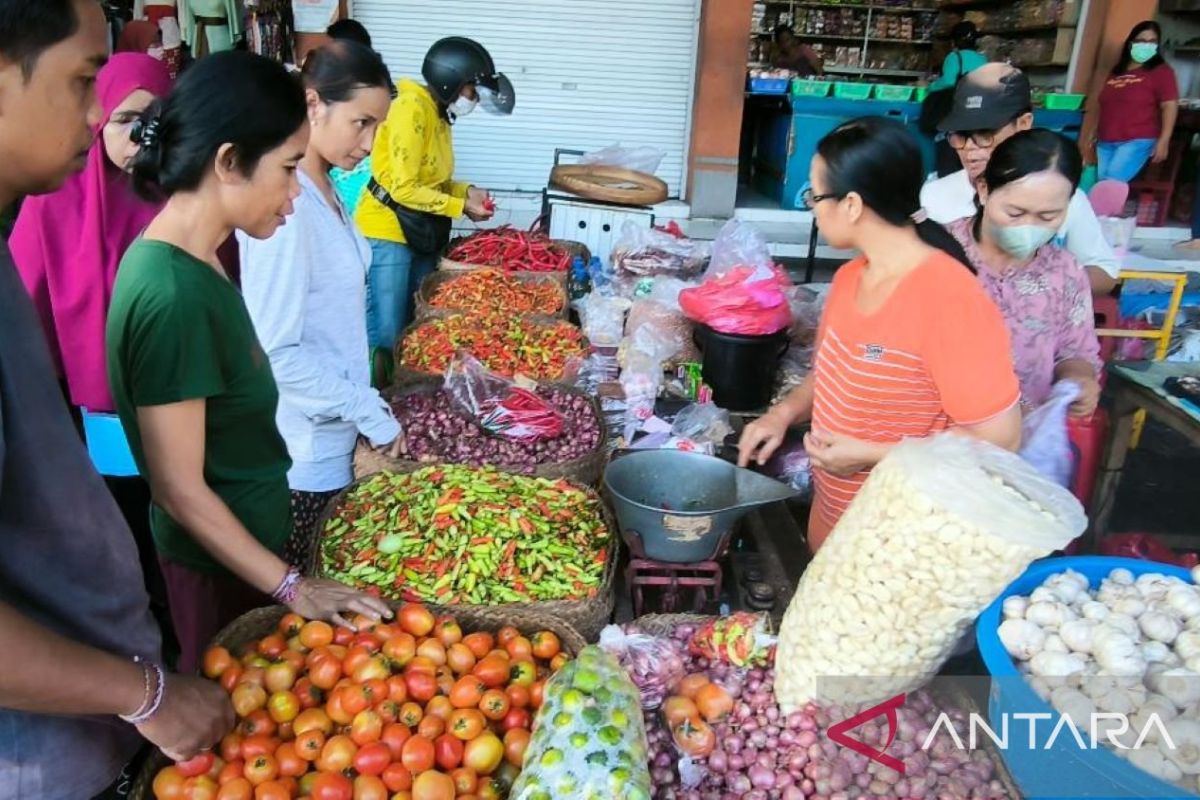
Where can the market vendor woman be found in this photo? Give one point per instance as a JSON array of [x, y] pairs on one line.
[[909, 345], [412, 196], [192, 384]]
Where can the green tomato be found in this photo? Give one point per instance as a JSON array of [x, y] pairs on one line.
[[588, 681], [609, 735], [562, 719], [573, 700], [592, 716], [552, 757], [579, 740], [598, 758]]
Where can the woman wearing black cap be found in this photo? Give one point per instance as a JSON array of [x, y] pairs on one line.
[[412, 196]]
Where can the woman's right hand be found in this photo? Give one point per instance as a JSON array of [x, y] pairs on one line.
[[762, 438], [326, 600], [477, 206], [194, 715]]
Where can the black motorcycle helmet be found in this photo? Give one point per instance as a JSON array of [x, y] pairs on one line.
[[454, 62]]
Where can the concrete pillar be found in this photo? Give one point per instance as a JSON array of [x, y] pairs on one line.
[[717, 107]]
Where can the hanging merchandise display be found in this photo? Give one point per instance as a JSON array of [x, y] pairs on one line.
[[210, 26], [269, 29]]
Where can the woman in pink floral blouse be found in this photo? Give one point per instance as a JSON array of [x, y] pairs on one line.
[[1041, 289]]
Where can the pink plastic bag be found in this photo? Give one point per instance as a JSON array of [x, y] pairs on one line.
[[745, 300]]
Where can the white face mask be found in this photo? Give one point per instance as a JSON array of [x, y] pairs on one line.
[[462, 106]]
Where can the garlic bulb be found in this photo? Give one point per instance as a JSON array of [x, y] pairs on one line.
[[1121, 576], [1157, 651], [1043, 594], [1185, 601], [1074, 704], [1014, 607], [1196, 574], [1159, 627], [1123, 623], [1055, 665], [1185, 735], [1180, 686], [1077, 634], [1187, 644], [1055, 644], [1155, 706], [1021, 638], [1048, 615], [1116, 652], [1151, 760], [1129, 606], [1093, 609]]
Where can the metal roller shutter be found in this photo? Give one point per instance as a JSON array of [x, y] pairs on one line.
[[587, 74]]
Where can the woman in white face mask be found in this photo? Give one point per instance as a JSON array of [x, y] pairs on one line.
[[1041, 289], [413, 196], [1138, 107]]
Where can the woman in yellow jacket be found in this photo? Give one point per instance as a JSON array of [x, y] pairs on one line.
[[412, 196]]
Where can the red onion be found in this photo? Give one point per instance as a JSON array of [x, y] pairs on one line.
[[761, 777], [793, 793], [735, 762], [734, 744], [718, 761]]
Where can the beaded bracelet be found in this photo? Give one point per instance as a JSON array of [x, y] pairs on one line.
[[151, 701], [289, 587]]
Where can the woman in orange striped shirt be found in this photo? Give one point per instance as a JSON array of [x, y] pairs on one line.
[[909, 344]]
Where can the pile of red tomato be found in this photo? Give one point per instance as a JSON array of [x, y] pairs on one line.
[[409, 710]]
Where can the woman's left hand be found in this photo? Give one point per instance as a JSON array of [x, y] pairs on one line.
[[1089, 397], [838, 454], [1162, 148], [327, 600]]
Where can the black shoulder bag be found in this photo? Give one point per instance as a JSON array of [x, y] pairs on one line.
[[938, 104], [425, 233]]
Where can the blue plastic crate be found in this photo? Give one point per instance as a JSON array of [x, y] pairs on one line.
[[108, 445], [1063, 770], [770, 85]]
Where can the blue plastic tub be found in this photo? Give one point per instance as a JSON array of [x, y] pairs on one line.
[[770, 85], [107, 445], [1063, 770]]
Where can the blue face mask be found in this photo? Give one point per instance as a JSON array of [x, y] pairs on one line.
[[1020, 241], [1141, 52]]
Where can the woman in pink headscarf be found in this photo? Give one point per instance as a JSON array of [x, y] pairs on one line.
[[67, 246]]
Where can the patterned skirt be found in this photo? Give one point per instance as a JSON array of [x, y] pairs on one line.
[[307, 508]]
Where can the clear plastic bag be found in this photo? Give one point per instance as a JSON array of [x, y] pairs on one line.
[[1044, 440], [745, 300], [500, 406], [603, 318], [941, 526], [667, 324], [589, 736], [654, 663], [642, 376], [738, 244], [702, 423], [647, 251], [641, 159]]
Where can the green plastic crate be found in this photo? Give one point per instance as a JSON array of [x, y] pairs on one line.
[[802, 87], [894, 94], [1063, 102], [852, 91]]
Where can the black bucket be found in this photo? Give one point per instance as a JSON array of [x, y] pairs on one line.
[[740, 369]]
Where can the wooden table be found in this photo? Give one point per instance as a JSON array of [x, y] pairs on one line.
[[1139, 386]]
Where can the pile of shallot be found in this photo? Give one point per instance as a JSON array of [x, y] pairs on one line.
[[762, 754], [435, 430]]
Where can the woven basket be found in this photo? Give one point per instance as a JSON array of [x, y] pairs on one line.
[[586, 470], [262, 621], [587, 615], [429, 287], [609, 184], [665, 625], [405, 375]]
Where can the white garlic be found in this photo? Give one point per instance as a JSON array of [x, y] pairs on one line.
[[1077, 634], [1129, 606], [1055, 644], [1123, 623], [1074, 704], [1021, 638], [1094, 609], [1159, 627], [1151, 760], [1185, 601], [1055, 665], [1180, 686], [1187, 644], [1185, 735], [1116, 652], [1156, 651], [1122, 576], [1048, 615], [1014, 607]]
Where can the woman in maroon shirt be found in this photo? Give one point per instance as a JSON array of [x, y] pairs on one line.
[[1138, 106]]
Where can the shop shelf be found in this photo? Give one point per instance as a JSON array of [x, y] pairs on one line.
[[894, 94], [851, 91], [806, 88], [1063, 102]]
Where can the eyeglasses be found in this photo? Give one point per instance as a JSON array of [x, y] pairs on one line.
[[982, 139], [809, 199]]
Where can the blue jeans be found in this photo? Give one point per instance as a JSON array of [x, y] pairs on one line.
[[395, 275], [1122, 161]]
